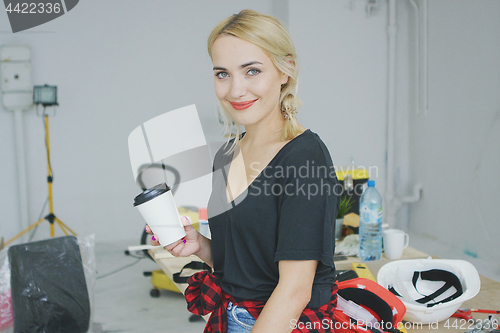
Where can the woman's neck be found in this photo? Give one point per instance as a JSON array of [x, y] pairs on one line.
[[265, 131]]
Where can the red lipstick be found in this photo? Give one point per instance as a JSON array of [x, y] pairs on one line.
[[242, 105]]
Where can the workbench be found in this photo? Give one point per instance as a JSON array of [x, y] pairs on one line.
[[487, 298]]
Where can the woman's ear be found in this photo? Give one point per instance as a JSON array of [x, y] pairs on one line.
[[284, 78]]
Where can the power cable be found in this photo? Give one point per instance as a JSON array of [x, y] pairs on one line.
[[119, 269], [39, 218]]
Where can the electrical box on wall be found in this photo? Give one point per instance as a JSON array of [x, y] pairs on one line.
[[15, 76]]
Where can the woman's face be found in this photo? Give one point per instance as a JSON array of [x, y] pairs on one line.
[[246, 81]]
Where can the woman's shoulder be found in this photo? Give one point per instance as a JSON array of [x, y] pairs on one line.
[[308, 144], [308, 155], [306, 148]]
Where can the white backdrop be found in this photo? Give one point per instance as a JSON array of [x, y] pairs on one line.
[[120, 63]]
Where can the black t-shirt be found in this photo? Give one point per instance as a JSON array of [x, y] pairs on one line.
[[287, 213]]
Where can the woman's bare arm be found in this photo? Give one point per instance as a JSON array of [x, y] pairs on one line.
[[289, 298]]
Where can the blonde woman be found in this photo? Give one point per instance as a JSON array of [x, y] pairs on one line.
[[273, 203]]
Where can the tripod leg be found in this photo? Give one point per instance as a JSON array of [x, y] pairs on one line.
[[62, 227], [52, 230], [24, 231], [65, 226]]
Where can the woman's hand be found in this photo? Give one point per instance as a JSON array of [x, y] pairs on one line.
[[188, 245]]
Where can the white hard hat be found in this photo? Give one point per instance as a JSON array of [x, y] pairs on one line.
[[431, 289]]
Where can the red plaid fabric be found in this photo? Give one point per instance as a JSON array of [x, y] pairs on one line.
[[204, 295]]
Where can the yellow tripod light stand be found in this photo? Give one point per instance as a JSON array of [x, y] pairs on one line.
[[51, 218]]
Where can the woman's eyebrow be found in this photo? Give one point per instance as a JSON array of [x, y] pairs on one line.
[[242, 66], [250, 63]]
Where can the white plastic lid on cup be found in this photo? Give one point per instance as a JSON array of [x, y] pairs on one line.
[[158, 208]]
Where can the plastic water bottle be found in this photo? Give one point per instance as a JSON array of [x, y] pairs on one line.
[[370, 224]]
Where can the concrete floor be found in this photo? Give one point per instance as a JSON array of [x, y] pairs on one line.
[[122, 302]]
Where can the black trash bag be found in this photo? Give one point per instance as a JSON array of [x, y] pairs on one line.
[[49, 291]]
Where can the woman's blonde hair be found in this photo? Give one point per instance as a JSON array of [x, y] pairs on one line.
[[269, 34]]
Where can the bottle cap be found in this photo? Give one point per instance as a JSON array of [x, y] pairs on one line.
[[371, 183]]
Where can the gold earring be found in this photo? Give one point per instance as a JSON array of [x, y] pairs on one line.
[[288, 113]]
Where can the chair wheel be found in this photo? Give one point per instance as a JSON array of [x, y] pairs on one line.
[[155, 293]]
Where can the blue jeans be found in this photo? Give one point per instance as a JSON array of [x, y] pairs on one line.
[[239, 320]]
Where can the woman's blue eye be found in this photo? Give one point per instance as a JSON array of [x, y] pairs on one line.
[[253, 71], [221, 75]]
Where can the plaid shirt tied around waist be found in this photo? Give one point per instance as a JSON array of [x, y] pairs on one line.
[[204, 295]]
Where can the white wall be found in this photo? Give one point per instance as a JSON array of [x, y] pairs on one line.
[[344, 62], [343, 78], [455, 148], [116, 65], [114, 72]]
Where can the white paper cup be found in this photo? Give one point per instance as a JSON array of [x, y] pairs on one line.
[[158, 208], [395, 241]]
